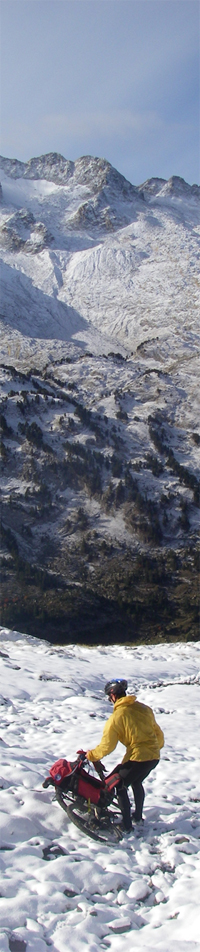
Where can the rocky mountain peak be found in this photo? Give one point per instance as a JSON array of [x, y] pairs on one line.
[[93, 172], [52, 167]]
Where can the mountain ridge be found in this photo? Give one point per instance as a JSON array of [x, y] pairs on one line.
[[54, 166]]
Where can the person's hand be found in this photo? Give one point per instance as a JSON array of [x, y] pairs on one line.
[[99, 766], [87, 754]]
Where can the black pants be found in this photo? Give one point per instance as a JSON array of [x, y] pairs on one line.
[[132, 773]]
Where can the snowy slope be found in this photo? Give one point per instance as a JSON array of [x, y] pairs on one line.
[[124, 258], [59, 890]]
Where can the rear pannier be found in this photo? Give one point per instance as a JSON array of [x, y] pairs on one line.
[[60, 770], [72, 776], [88, 787]]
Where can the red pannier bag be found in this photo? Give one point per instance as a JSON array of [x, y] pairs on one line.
[[92, 789], [89, 787], [61, 769], [112, 781]]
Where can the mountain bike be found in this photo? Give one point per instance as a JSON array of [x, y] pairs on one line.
[[89, 801]]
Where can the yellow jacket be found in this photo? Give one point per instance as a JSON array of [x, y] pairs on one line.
[[134, 725]]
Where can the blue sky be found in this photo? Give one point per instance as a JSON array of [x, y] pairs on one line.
[[113, 78]]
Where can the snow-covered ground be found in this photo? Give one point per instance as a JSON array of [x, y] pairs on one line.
[[59, 890]]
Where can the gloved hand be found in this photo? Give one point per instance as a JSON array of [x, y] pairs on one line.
[[82, 754], [100, 769]]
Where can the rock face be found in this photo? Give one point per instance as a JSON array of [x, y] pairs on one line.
[[124, 258], [22, 233], [100, 435]]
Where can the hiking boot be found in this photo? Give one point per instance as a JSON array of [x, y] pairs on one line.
[[124, 829], [128, 829], [137, 819]]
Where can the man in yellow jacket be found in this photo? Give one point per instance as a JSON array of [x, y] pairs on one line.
[[134, 725]]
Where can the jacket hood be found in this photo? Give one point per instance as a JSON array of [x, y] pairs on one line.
[[125, 701]]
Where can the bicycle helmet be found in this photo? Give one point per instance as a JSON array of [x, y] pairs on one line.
[[118, 687]]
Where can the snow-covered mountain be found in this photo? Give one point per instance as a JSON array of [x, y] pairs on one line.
[[124, 258], [99, 308]]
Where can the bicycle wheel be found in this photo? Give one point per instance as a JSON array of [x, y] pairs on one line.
[[103, 830], [64, 799]]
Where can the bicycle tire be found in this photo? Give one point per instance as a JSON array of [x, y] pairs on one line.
[[65, 800], [111, 834], [60, 799]]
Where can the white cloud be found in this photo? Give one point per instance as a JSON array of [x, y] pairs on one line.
[[111, 122], [138, 144]]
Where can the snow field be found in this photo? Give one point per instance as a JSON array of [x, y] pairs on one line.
[[59, 890]]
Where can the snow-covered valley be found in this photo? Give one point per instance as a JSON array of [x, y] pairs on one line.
[[60, 890], [100, 417]]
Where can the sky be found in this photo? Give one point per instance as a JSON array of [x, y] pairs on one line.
[[112, 78]]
